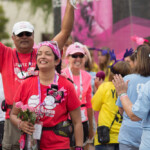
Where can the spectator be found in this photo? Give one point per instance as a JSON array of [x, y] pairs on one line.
[[130, 131], [104, 102]]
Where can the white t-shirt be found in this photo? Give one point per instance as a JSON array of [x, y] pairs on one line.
[[2, 114]]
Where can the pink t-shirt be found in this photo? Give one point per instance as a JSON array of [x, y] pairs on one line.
[[9, 70], [86, 93], [51, 113]]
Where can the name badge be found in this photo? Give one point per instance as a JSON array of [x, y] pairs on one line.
[[38, 131]]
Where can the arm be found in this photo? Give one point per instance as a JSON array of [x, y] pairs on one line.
[[127, 106], [78, 128], [22, 125], [90, 118], [66, 27], [121, 87], [121, 110]]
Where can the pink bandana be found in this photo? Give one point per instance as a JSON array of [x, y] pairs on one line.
[[53, 45]]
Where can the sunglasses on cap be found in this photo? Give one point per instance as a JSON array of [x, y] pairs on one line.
[[77, 55], [24, 33]]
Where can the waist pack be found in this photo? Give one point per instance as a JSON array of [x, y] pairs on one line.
[[103, 134], [64, 129]]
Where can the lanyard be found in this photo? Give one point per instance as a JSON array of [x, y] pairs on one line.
[[20, 63], [81, 85], [56, 77]]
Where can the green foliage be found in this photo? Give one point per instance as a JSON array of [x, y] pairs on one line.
[[3, 21], [45, 5], [27, 116]]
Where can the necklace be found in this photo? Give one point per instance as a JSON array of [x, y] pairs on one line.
[[22, 74], [81, 86], [50, 99]]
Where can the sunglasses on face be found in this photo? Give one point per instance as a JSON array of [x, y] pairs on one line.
[[76, 56], [24, 33]]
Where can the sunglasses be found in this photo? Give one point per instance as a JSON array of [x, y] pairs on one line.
[[24, 33], [76, 56]]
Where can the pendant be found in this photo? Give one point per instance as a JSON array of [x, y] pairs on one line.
[[21, 75]]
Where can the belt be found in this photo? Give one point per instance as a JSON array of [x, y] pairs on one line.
[[9, 106], [83, 105]]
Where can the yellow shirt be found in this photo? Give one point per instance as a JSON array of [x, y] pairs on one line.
[[95, 67], [104, 101]]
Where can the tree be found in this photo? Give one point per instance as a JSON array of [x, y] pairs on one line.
[[46, 6], [3, 20]]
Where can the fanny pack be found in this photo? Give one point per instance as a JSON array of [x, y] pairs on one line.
[[103, 132], [64, 129]]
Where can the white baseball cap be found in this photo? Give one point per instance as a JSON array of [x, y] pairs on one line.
[[22, 26]]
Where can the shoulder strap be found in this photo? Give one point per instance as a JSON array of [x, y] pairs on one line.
[[114, 119]]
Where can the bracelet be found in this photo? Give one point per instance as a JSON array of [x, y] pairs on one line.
[[19, 123], [122, 94], [79, 148], [73, 3]]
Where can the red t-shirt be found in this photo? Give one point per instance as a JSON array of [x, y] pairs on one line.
[[9, 69], [51, 113]]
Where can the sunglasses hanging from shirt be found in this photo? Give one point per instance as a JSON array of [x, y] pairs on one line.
[[24, 74]]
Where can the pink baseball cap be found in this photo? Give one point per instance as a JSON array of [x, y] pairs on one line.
[[75, 48], [22, 26]]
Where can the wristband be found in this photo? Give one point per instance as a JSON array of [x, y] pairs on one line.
[[19, 123], [122, 95], [73, 3], [79, 148]]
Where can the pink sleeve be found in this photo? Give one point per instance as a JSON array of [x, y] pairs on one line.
[[73, 101], [89, 97]]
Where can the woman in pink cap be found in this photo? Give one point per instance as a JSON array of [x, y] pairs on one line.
[[82, 84]]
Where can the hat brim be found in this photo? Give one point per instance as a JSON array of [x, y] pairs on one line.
[[23, 30], [77, 51]]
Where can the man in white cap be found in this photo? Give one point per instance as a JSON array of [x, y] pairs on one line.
[[16, 64]]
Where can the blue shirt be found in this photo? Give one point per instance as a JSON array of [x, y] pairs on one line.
[[130, 131], [141, 108]]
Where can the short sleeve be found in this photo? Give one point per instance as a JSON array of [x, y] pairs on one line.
[[97, 99], [141, 107], [118, 102]]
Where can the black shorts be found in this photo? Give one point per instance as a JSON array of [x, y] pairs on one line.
[[85, 134]]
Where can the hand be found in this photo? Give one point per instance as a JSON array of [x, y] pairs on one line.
[[27, 127], [120, 85], [91, 133], [97, 82]]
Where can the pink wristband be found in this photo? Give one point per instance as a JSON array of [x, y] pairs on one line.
[[78, 148]]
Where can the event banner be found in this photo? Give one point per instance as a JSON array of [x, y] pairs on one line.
[[111, 23]]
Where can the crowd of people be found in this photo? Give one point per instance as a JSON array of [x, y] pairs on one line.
[[77, 102]]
